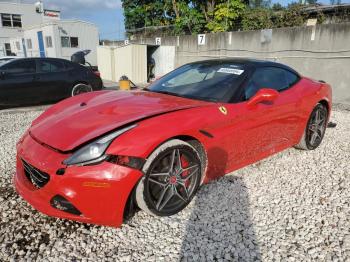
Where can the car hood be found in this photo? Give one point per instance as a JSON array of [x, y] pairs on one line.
[[80, 119]]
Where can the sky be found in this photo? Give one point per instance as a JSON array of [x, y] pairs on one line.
[[106, 14]]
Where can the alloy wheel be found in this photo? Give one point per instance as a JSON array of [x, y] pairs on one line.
[[172, 180], [316, 127], [80, 89]]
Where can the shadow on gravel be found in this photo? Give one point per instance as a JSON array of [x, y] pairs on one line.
[[219, 227]]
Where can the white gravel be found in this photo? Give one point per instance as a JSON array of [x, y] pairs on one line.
[[294, 206]]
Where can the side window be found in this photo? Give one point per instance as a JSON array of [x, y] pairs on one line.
[[20, 67], [74, 42], [269, 77], [69, 66], [49, 66], [291, 78]]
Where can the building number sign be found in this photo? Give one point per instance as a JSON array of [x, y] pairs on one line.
[[201, 39]]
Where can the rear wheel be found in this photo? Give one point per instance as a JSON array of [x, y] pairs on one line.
[[172, 177], [315, 129], [81, 88]]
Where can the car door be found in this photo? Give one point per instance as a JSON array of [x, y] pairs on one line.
[[52, 79], [18, 82], [74, 75], [261, 130]]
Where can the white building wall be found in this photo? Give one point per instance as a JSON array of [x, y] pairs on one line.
[[87, 39], [131, 60], [48, 30], [106, 62], [28, 15], [164, 57]]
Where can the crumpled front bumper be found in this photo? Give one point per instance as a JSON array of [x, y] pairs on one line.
[[99, 192]]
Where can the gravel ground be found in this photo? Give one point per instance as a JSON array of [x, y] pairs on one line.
[[293, 206]]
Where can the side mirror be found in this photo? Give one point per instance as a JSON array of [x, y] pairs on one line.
[[264, 95]]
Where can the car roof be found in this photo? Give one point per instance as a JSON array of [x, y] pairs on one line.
[[255, 63], [8, 57], [43, 58]]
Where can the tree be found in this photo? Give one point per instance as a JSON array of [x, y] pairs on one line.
[[259, 3], [257, 18], [335, 2], [277, 7], [225, 15], [311, 2], [133, 13], [143, 13], [198, 16], [293, 16], [190, 19]]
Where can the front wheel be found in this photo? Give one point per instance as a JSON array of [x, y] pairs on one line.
[[172, 177], [80, 89], [315, 129]]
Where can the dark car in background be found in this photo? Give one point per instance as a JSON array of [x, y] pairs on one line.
[[30, 81], [5, 59]]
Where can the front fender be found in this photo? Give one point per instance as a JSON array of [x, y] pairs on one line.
[[150, 133]]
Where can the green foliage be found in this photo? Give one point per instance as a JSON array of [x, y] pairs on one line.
[[258, 18], [291, 16], [189, 20], [260, 3], [140, 13], [277, 7], [199, 16], [134, 14], [225, 16]]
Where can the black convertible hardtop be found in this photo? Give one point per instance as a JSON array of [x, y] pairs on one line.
[[253, 63]]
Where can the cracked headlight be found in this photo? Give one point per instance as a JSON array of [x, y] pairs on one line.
[[94, 152]]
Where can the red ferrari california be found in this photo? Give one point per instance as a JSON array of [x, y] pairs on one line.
[[98, 156]]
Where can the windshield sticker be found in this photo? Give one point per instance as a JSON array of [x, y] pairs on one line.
[[230, 71]]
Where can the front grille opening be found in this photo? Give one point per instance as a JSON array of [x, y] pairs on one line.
[[60, 203], [38, 178]]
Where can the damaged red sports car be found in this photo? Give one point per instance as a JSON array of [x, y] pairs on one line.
[[97, 156]]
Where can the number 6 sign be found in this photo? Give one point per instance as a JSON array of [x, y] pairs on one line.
[[201, 39]]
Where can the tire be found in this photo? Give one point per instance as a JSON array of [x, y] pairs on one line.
[[172, 177], [315, 129], [80, 89]]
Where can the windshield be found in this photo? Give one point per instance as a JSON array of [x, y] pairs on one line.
[[207, 81]]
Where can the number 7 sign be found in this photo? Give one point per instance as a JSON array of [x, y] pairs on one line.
[[201, 39]]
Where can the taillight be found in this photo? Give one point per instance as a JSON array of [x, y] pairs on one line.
[[97, 73]]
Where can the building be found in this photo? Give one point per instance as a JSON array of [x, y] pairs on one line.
[[15, 16], [30, 30], [59, 38], [330, 13]]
